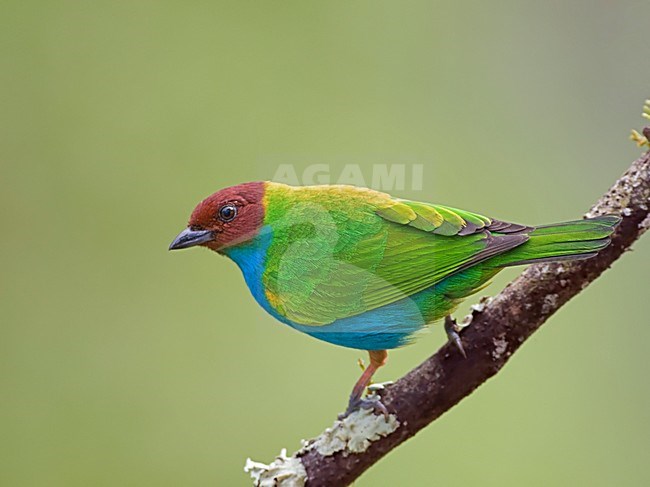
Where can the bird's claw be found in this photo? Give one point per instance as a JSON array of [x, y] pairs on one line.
[[376, 405], [453, 335]]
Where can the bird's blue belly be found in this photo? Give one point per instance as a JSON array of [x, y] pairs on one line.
[[383, 328]]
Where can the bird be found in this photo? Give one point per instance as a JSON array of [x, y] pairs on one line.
[[362, 269]]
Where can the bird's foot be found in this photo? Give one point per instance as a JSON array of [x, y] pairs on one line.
[[377, 359], [373, 403], [453, 334]]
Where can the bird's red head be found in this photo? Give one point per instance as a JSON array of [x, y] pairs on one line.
[[228, 217]]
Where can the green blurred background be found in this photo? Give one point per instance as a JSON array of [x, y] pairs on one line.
[[123, 364]]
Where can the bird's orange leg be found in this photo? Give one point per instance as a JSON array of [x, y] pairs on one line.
[[377, 359]]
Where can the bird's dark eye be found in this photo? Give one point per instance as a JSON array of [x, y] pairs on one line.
[[227, 213]]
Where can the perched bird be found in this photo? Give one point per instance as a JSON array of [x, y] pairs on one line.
[[361, 269]]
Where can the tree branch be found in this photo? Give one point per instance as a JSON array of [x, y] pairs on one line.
[[496, 332]]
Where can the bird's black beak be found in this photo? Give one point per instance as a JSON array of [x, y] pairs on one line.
[[190, 238]]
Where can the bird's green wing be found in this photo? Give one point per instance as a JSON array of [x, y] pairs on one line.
[[443, 220], [433, 242], [345, 256]]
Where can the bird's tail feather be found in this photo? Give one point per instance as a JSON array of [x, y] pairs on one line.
[[580, 239]]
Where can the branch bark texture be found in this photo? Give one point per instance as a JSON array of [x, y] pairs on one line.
[[496, 332]]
